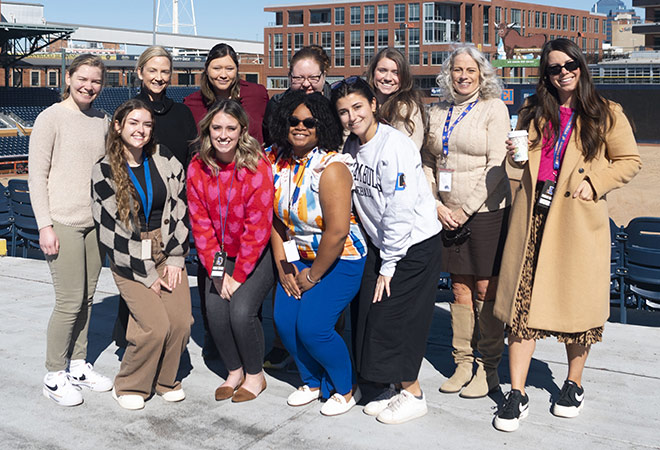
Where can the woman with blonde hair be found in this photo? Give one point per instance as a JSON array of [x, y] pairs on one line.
[[230, 196], [67, 139], [141, 217], [463, 162]]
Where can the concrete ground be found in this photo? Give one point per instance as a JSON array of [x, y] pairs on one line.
[[622, 385]]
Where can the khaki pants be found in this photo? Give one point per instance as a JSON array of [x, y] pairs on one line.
[[75, 271], [157, 333]]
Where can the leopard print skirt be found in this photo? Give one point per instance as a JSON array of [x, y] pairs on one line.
[[523, 298]]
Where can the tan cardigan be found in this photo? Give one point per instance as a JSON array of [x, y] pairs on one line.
[[476, 153]]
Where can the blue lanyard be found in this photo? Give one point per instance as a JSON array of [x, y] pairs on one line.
[[223, 220], [561, 143], [148, 199], [447, 130]]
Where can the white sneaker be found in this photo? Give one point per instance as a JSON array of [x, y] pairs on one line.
[[402, 408], [337, 404], [128, 401], [83, 374], [58, 388], [173, 396], [303, 396], [378, 404]]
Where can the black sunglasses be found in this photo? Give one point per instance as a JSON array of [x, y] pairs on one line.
[[309, 122], [350, 81], [555, 69]]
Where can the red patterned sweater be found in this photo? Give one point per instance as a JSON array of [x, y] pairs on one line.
[[250, 216]]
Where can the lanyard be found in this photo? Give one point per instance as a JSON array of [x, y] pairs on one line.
[[223, 220], [447, 130], [561, 143], [293, 196], [148, 199]]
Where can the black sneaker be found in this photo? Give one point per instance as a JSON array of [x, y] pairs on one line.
[[570, 401], [515, 407], [277, 358]]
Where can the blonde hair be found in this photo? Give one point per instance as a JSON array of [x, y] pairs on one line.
[[86, 59], [248, 150], [152, 52]]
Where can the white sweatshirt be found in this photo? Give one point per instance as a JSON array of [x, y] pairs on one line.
[[391, 195]]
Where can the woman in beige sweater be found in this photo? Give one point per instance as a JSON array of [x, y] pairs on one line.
[[399, 104], [463, 162], [66, 141]]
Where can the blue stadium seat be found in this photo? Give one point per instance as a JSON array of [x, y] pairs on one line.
[[642, 260], [25, 231]]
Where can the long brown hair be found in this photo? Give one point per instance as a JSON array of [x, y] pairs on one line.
[[219, 51], [114, 148], [590, 107], [391, 110], [86, 59], [248, 150]]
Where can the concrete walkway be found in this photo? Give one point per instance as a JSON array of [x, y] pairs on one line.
[[622, 384]]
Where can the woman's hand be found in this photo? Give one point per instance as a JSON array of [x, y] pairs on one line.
[[158, 284], [584, 191], [288, 272], [229, 286], [459, 216], [446, 219], [173, 276], [302, 282], [511, 149], [48, 241], [383, 283]]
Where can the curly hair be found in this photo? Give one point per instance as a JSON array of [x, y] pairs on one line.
[[490, 85], [114, 148], [328, 127], [593, 110], [248, 150], [219, 51], [391, 110]]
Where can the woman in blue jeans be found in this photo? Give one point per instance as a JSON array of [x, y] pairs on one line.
[[319, 249]]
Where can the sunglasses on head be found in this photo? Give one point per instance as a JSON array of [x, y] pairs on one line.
[[350, 81], [555, 69], [309, 122]]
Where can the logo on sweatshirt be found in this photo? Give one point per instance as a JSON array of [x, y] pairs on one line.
[[400, 182]]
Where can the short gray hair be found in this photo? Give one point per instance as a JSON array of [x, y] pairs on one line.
[[490, 84]]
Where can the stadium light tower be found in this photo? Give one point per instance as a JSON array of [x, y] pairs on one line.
[[173, 15]]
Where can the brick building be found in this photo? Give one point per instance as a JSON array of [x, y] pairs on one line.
[[651, 28], [352, 32]]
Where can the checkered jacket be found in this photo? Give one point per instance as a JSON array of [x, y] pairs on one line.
[[122, 245]]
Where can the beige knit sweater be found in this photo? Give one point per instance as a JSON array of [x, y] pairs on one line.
[[64, 146], [476, 153], [418, 133]]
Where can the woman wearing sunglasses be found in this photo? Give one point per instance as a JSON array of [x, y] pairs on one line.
[[555, 277], [399, 103], [397, 294], [318, 248], [463, 164]]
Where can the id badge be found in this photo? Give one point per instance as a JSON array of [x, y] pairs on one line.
[[291, 251], [146, 249], [444, 179], [545, 199], [219, 261]]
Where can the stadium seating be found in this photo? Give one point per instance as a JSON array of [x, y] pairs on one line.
[[6, 217], [642, 260], [14, 148], [25, 231]]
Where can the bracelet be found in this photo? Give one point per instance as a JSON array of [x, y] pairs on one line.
[[310, 278]]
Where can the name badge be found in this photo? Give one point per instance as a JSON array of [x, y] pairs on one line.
[[146, 249], [444, 179], [545, 199], [219, 262], [291, 251]]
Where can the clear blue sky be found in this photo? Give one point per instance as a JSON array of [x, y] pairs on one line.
[[237, 19]]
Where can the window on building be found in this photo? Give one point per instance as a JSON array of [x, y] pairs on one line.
[[486, 37], [368, 55], [516, 18], [572, 23], [537, 19], [278, 53], [400, 12], [339, 57], [355, 47], [498, 15], [355, 15], [584, 24], [383, 13], [596, 46], [564, 22], [437, 58], [339, 16], [112, 79], [278, 18], [339, 39], [413, 46], [552, 21], [326, 41], [52, 78], [277, 83], [400, 39], [468, 22], [355, 57], [596, 26], [383, 39], [441, 23], [544, 20], [295, 17], [425, 58], [369, 14], [413, 12], [298, 41], [369, 38], [584, 44], [603, 28], [311, 39], [318, 16], [35, 78]]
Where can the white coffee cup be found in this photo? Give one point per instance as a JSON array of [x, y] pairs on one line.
[[519, 139]]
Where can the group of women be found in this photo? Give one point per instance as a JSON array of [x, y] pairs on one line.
[[367, 216]]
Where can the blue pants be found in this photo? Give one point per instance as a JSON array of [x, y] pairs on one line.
[[307, 326]]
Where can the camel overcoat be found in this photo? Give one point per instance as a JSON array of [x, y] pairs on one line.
[[572, 280]]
